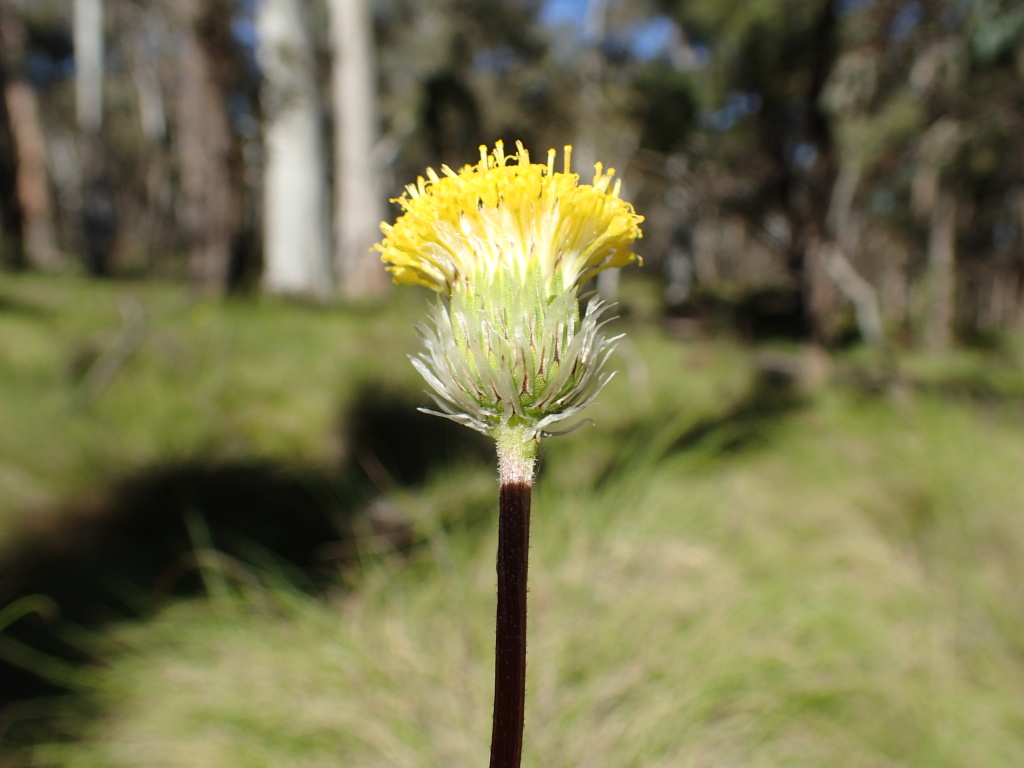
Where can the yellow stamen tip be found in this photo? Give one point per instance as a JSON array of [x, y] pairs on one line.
[[511, 219]]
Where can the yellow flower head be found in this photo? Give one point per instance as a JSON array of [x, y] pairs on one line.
[[508, 243], [506, 217]]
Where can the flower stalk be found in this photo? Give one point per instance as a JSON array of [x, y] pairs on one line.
[[508, 244], [516, 453]]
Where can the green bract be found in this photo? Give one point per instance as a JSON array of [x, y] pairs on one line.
[[507, 355]]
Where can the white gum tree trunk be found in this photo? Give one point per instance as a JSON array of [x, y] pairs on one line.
[[359, 200], [87, 22], [295, 207]]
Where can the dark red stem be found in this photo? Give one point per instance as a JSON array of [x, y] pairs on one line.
[[510, 630]]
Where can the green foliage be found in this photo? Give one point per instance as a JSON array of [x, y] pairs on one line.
[[723, 571], [893, 125], [997, 30], [666, 107]]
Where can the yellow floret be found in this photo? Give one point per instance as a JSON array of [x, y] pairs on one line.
[[507, 215]]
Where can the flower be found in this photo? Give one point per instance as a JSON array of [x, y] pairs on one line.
[[509, 243], [499, 216]]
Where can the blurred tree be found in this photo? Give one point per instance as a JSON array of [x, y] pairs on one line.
[[359, 195], [845, 98], [871, 128], [146, 38], [295, 209], [761, 123], [29, 211], [456, 74], [938, 100], [207, 152], [87, 24], [98, 224], [987, 176]]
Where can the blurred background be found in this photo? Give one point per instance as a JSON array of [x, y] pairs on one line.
[[227, 537]]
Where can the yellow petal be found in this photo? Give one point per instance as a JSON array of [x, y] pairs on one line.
[[510, 216]]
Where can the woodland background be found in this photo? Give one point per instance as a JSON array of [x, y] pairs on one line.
[[850, 154], [792, 535]]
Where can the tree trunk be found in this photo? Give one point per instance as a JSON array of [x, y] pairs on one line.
[[31, 183], [836, 254], [938, 329], [98, 209], [295, 241], [858, 290], [807, 192], [156, 233], [87, 31], [1016, 321], [149, 24], [205, 148], [11, 252], [359, 199]]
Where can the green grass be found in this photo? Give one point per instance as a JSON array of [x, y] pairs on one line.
[[209, 381], [716, 579]]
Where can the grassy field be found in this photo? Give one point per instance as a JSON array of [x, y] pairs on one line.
[[724, 571]]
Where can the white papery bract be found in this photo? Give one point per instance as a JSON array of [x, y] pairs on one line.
[[523, 365]]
